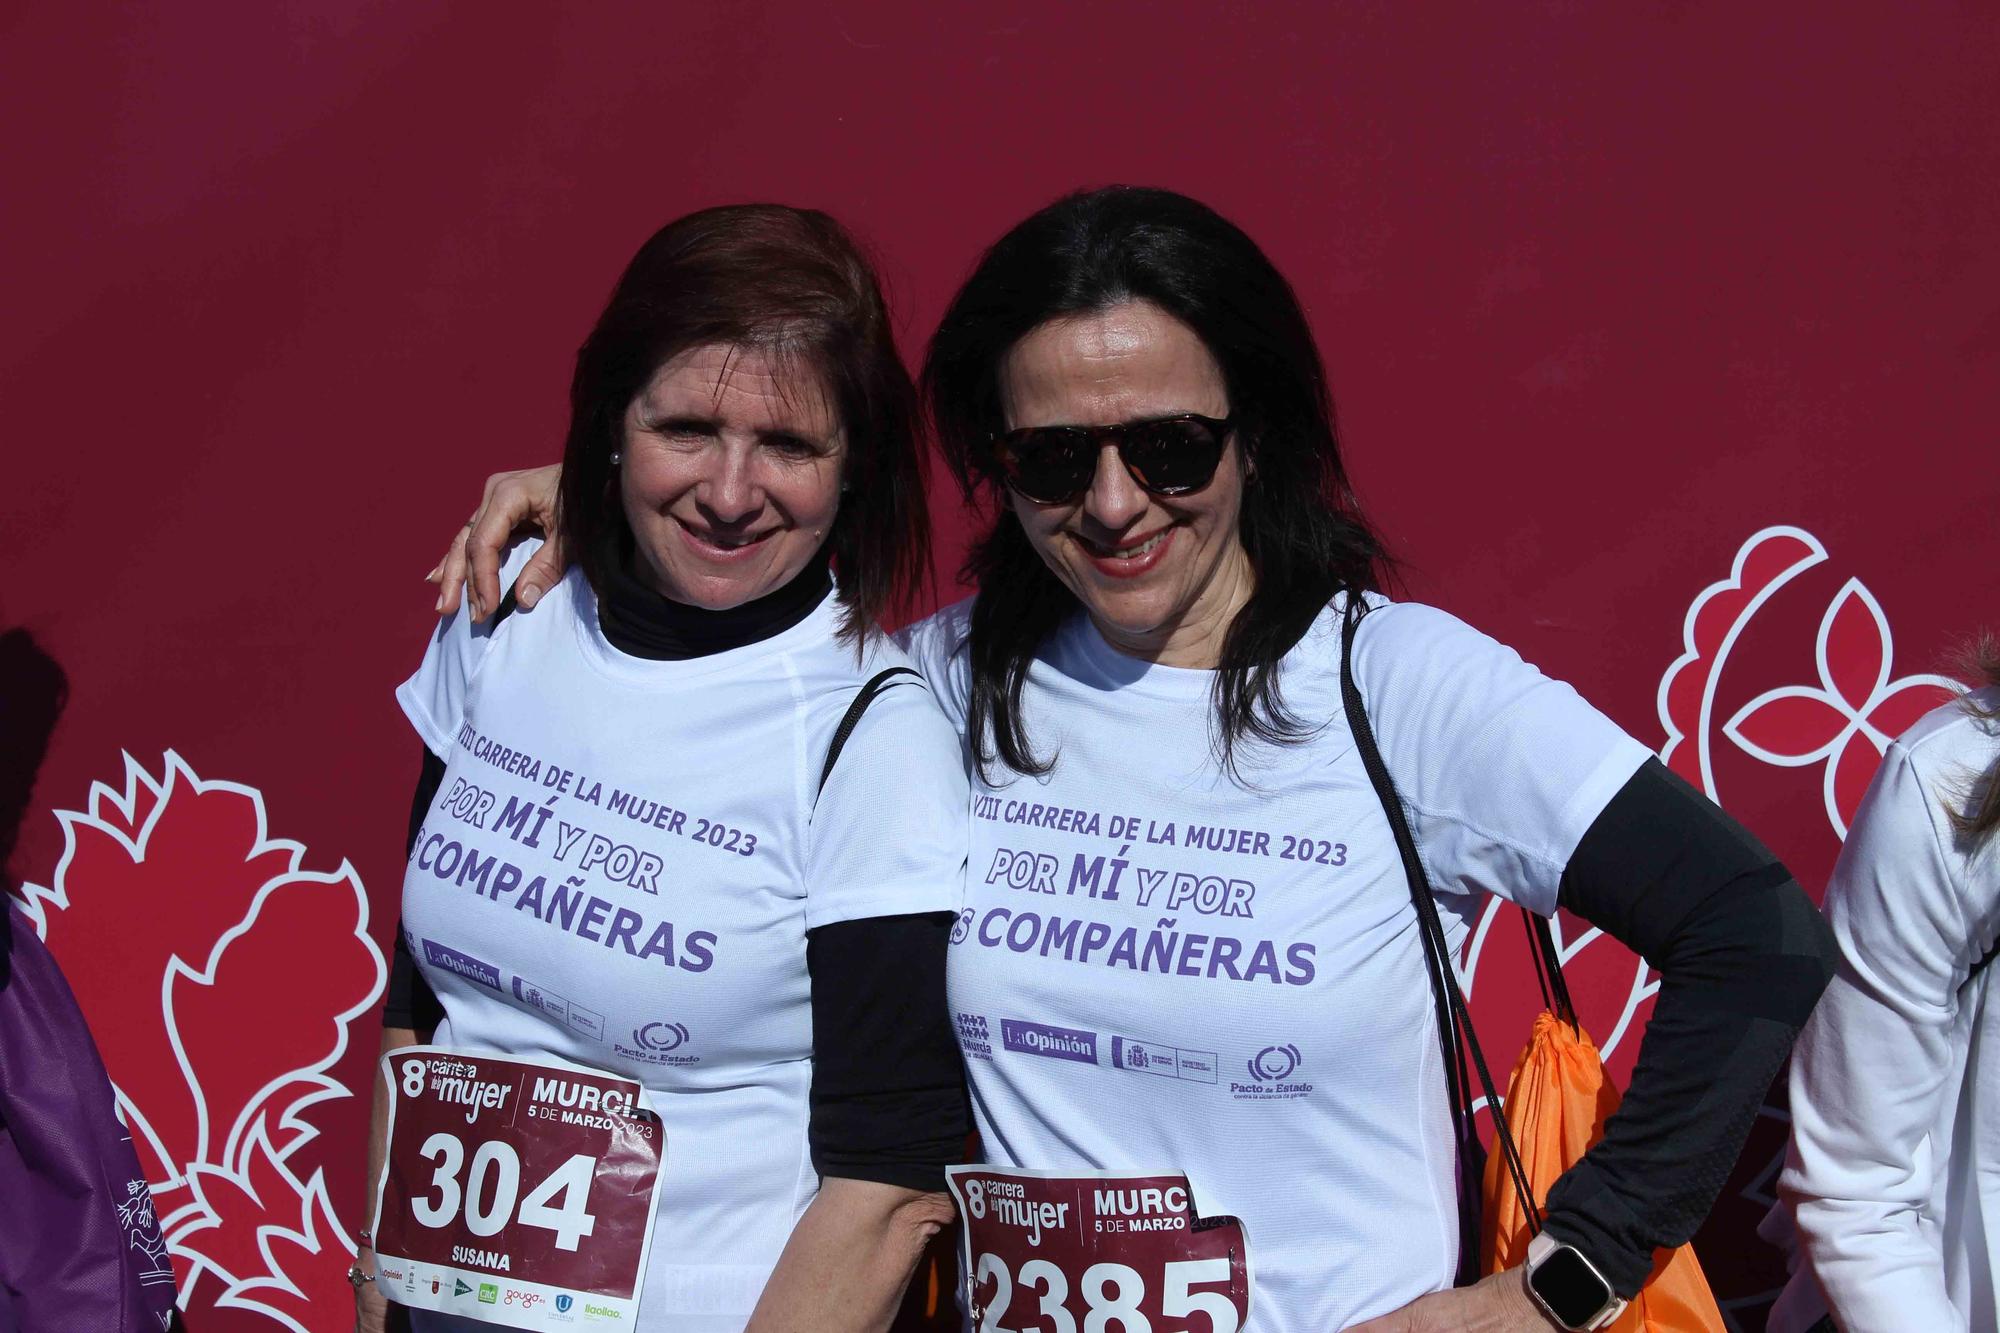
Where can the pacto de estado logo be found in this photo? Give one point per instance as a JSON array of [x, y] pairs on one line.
[[659, 1042], [1273, 1072], [662, 1037], [1274, 1064], [221, 975]]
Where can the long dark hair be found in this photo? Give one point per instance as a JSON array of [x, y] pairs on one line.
[[1301, 526], [794, 281]]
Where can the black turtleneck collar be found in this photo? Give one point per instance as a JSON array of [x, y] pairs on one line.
[[642, 623]]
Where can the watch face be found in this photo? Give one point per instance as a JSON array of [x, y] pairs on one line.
[[1573, 1291]]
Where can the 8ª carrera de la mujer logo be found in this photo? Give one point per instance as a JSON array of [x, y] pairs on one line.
[[221, 976]]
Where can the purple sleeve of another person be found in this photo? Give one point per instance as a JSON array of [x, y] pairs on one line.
[[80, 1246]]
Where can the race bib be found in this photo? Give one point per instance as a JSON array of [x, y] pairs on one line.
[[1100, 1251], [515, 1191]]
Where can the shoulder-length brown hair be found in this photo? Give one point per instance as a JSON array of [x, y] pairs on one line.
[[789, 279]]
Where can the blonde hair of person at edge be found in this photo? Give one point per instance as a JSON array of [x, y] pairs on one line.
[[1890, 1196]]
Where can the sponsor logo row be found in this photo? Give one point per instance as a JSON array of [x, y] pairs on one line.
[[657, 1043], [504, 1294], [1270, 1074]]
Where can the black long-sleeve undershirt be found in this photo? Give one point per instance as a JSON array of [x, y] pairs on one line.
[[888, 1090], [410, 1002], [1742, 955], [888, 1100]]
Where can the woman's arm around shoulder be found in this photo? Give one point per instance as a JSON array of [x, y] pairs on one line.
[[433, 698], [512, 506]]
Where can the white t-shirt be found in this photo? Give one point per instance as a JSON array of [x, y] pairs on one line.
[[1159, 968], [621, 867], [1893, 1177]]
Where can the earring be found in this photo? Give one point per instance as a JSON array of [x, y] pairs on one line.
[[615, 456]]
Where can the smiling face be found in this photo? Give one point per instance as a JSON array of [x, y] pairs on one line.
[[1161, 577], [730, 478]]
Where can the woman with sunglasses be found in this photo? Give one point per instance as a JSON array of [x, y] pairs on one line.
[[1190, 945]]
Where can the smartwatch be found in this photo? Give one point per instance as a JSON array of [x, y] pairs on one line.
[[1567, 1287]]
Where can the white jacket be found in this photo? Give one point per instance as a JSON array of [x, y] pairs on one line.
[[1893, 1178]]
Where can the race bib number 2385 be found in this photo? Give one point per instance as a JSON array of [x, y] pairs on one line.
[[515, 1191], [1096, 1252]]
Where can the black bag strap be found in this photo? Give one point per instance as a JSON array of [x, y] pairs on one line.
[[1548, 969], [1456, 1037], [1972, 973], [877, 683]]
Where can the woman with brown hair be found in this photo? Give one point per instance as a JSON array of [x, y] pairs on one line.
[[1893, 1180], [761, 944]]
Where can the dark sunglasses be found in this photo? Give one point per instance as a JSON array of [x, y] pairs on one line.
[[1167, 456]]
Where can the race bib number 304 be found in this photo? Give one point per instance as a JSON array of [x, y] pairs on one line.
[[1097, 1252], [515, 1191]]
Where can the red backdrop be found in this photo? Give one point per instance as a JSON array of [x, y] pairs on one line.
[[1608, 293]]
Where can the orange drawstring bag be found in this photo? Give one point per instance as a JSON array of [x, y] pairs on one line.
[[1557, 1102]]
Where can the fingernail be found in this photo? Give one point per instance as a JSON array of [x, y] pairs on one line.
[[530, 594], [439, 605], [436, 571]]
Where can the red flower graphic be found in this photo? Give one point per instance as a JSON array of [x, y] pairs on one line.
[[1845, 722], [1849, 718], [1612, 988], [1767, 562], [220, 978]]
